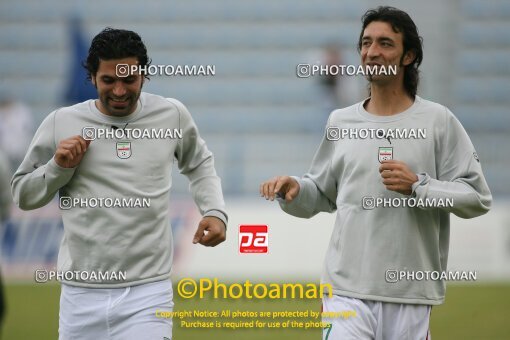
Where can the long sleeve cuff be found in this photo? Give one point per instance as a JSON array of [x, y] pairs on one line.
[[423, 179], [218, 214]]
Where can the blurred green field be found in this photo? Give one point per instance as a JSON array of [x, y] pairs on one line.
[[470, 312]]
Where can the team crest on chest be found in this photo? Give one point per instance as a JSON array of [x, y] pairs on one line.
[[385, 154], [124, 150]]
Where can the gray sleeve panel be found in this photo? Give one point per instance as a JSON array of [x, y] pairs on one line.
[[196, 162], [38, 178], [318, 188], [460, 175]]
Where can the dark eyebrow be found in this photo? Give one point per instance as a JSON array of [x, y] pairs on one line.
[[380, 39], [385, 39]]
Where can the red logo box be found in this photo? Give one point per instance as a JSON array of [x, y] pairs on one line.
[[253, 239]]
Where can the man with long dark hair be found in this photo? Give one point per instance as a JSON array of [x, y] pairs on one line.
[[110, 160], [394, 167]]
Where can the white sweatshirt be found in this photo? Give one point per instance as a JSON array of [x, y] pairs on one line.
[[137, 241], [367, 242]]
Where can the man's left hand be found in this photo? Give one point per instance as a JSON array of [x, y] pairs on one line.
[[397, 176], [211, 232]]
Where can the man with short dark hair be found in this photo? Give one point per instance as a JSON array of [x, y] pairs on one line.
[[110, 160], [393, 167]]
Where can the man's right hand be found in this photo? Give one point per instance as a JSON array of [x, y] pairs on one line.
[[286, 186], [70, 151]]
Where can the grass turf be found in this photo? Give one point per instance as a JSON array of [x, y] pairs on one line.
[[470, 312]]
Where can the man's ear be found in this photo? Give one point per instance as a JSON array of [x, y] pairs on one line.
[[408, 57], [93, 80]]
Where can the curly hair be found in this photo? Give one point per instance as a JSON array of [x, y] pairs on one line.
[[400, 22], [113, 43]]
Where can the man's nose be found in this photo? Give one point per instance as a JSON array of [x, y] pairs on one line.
[[373, 51], [119, 89]]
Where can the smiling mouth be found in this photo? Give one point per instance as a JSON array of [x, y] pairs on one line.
[[117, 102]]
